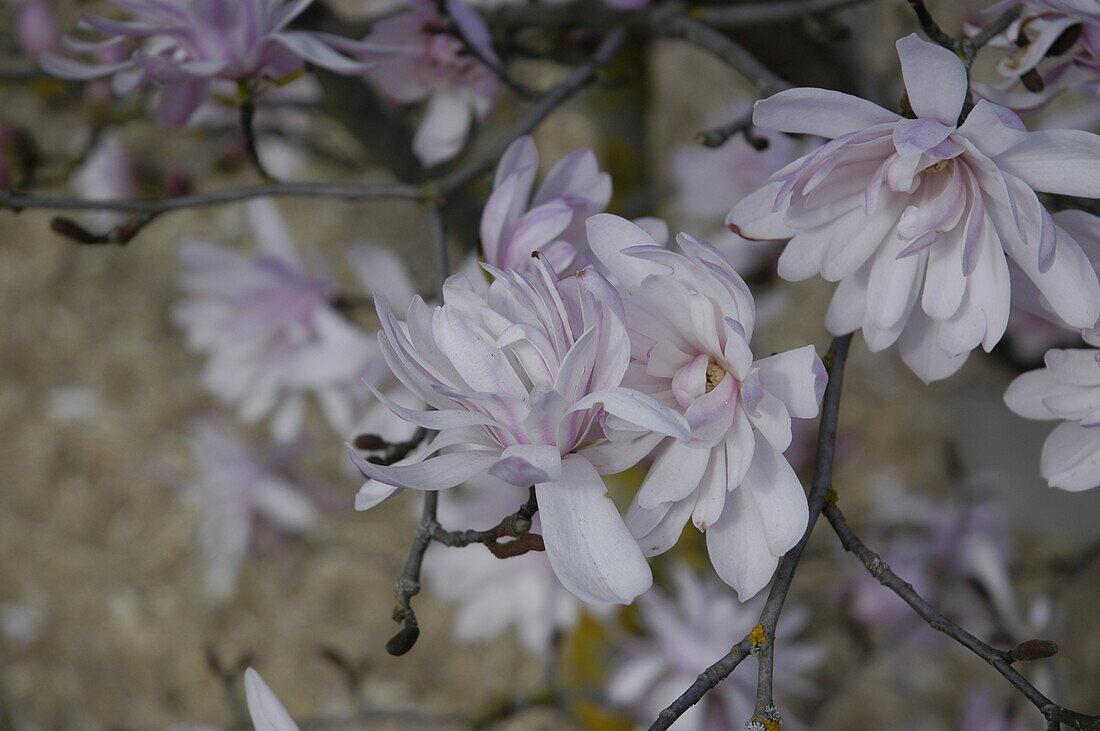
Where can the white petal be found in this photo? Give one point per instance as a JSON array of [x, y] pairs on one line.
[[587, 543], [935, 79], [819, 112], [1071, 457], [267, 713]]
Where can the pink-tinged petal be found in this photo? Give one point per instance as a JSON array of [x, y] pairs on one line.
[[755, 218], [849, 241], [1071, 457], [657, 228], [638, 409], [935, 79], [534, 230], [283, 505], [267, 713], [312, 48], [473, 28], [528, 464], [802, 257], [372, 493], [587, 543], [780, 500], [380, 271], [818, 112], [1079, 367], [915, 136], [893, 283], [608, 236], [504, 207], [769, 416], [472, 352], [610, 458], [848, 308], [797, 378], [659, 529], [993, 128], [920, 349], [711, 415], [67, 68], [738, 547], [674, 475], [740, 447], [577, 179], [435, 473], [521, 155], [712, 490], [1065, 161], [944, 281], [178, 101], [271, 232], [432, 419], [444, 127]]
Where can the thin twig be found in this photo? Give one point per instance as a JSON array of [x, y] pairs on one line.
[[763, 636], [577, 79], [718, 136], [1001, 660], [673, 24], [741, 15], [516, 526], [248, 132], [993, 29], [493, 64], [820, 488], [931, 28]]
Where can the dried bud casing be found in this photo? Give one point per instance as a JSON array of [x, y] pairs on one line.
[[403, 641]]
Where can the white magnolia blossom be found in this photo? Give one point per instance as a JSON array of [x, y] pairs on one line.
[[494, 595], [915, 216], [526, 380], [690, 318], [686, 632], [1068, 388], [270, 328], [233, 486]]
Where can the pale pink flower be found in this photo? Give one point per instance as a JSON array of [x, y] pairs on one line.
[[1067, 389], [267, 713], [270, 328], [425, 63], [495, 595], [108, 173], [234, 485], [527, 383], [517, 222], [37, 29], [686, 631], [186, 44], [1067, 32], [691, 318], [915, 217]]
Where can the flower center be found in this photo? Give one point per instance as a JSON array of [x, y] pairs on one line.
[[937, 166], [715, 374]]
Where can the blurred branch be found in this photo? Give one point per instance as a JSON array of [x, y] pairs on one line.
[[744, 14], [992, 30], [761, 639], [718, 136], [1001, 660], [495, 65], [667, 21], [931, 28]]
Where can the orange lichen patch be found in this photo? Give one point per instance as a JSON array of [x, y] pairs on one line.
[[758, 637]]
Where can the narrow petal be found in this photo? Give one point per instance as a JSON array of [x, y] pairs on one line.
[[267, 713], [587, 542], [819, 112]]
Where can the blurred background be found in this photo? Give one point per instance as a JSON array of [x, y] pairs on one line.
[[107, 616]]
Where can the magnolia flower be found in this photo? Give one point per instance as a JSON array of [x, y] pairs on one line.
[[516, 223], [1068, 388], [270, 328], [691, 318], [526, 379], [686, 633], [189, 43], [267, 713], [233, 486], [1065, 31], [425, 63], [492, 594], [37, 29], [708, 181], [915, 217]]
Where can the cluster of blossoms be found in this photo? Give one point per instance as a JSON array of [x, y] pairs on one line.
[[1054, 46]]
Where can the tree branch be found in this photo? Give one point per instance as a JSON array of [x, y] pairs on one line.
[[1001, 660], [718, 136], [763, 636], [516, 526], [746, 14], [931, 28]]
